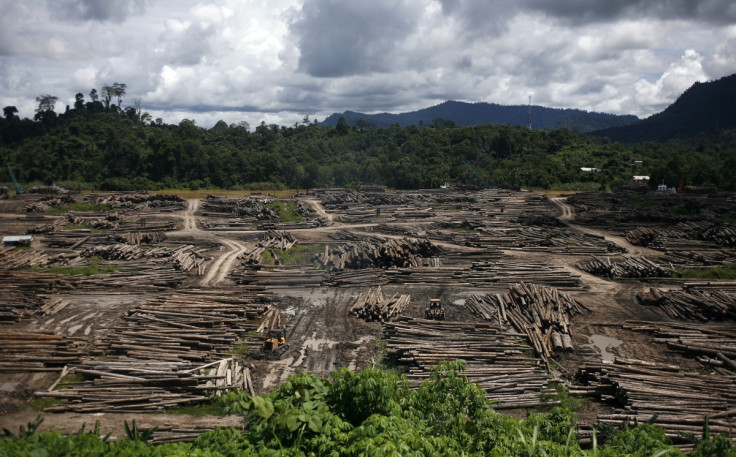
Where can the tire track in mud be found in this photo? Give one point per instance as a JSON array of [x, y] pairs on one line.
[[323, 337]]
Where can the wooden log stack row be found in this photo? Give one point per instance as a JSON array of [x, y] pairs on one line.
[[130, 385], [638, 390], [114, 252], [35, 351], [718, 232], [172, 350], [691, 303], [140, 236], [373, 306], [16, 259], [278, 276], [497, 360], [714, 345], [277, 240], [542, 313], [22, 291], [628, 267], [388, 254]]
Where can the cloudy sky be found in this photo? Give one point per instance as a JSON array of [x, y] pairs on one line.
[[278, 60]]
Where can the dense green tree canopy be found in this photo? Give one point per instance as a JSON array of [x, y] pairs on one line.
[[98, 144]]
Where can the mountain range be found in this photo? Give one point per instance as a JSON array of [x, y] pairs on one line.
[[705, 110], [463, 113]]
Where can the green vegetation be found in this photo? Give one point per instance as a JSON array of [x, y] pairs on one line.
[[81, 207], [41, 403], [566, 400], [719, 272], [286, 211], [83, 270], [93, 146], [212, 408], [298, 255], [638, 203], [374, 413]]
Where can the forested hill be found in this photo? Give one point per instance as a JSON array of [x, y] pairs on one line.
[[704, 111], [99, 147], [461, 113]]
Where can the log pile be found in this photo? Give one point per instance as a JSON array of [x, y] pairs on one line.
[[691, 303], [638, 390], [718, 232], [542, 313], [496, 360], [277, 240], [187, 258], [278, 276], [33, 351], [373, 306], [714, 345], [172, 350], [138, 237], [114, 252], [629, 267], [22, 292], [17, 259], [389, 253], [132, 385]]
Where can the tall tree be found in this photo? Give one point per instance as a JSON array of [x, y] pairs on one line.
[[119, 90], [93, 95], [10, 113], [107, 93], [79, 101], [46, 102]]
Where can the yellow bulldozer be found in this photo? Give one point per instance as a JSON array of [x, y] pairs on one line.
[[435, 310], [275, 344]]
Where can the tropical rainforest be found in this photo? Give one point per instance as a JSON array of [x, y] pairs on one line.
[[374, 413], [97, 145]]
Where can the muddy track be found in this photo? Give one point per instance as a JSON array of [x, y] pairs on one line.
[[322, 337], [223, 265], [568, 214]]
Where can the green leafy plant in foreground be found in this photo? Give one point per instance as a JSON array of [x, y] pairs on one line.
[[375, 413]]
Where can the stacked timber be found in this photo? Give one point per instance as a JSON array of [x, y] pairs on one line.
[[639, 390], [172, 350], [278, 276], [718, 232], [114, 252], [714, 345], [373, 306], [22, 291], [277, 240], [496, 360], [139, 236], [187, 258], [367, 254], [370, 277], [16, 259], [691, 303], [131, 385], [542, 313], [34, 351], [629, 267]]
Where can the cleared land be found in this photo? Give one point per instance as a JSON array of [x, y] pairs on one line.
[[170, 300]]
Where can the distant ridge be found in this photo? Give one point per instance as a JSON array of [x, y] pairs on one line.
[[462, 113], [704, 110]]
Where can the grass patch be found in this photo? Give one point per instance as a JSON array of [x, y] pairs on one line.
[[298, 255], [80, 206], [719, 272], [240, 350], [77, 270], [201, 193], [286, 211], [729, 220], [41, 403], [206, 409], [689, 208], [84, 226]]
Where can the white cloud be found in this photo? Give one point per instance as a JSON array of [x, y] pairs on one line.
[[281, 59]]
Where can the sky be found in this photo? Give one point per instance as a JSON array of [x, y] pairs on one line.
[[278, 61]]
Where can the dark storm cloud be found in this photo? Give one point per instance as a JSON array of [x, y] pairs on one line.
[[96, 10], [482, 14], [338, 38]]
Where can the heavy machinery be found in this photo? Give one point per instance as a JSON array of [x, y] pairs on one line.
[[435, 310], [274, 345]]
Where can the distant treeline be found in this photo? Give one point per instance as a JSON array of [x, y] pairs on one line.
[[101, 146]]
